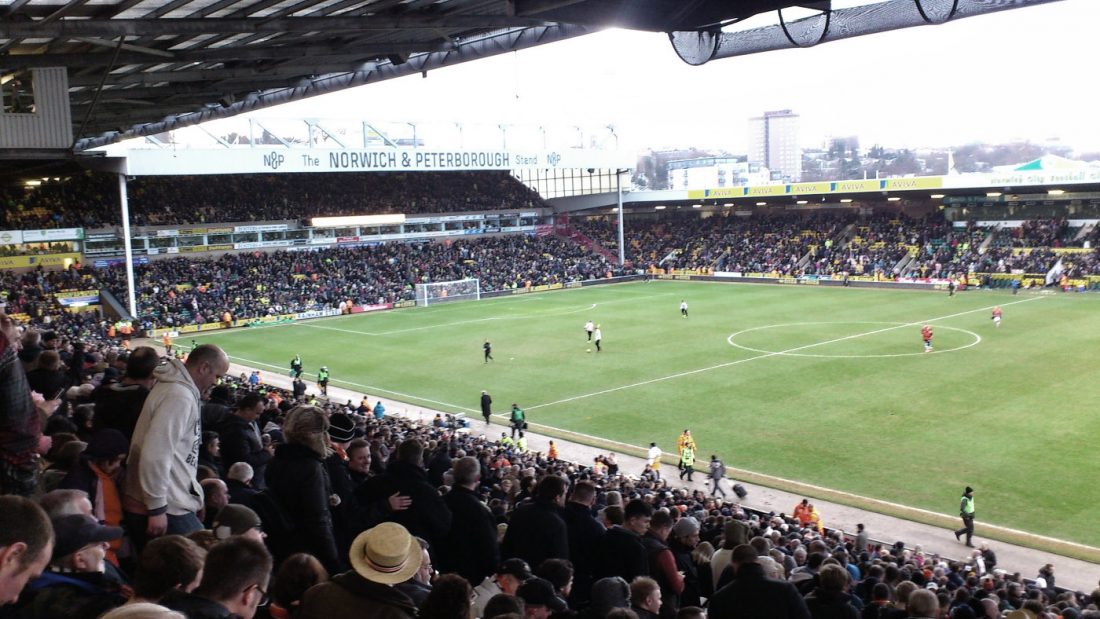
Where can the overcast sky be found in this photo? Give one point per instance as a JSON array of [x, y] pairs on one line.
[[1020, 74]]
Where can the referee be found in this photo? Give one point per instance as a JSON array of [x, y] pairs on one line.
[[487, 347]]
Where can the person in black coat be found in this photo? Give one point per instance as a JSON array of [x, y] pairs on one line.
[[486, 406], [752, 594], [439, 464], [537, 531], [830, 600], [238, 480], [216, 409], [621, 550], [48, 378], [427, 516], [299, 483], [118, 405], [240, 438], [347, 517], [585, 533], [474, 554], [684, 539]]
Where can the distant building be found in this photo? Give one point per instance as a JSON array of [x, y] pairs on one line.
[[713, 172], [773, 143]]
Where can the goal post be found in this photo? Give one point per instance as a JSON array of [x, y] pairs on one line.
[[434, 293]]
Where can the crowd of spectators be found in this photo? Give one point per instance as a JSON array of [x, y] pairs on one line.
[[180, 291], [91, 200], [757, 244], [299, 506], [888, 245], [30, 296], [1041, 233], [36, 249]]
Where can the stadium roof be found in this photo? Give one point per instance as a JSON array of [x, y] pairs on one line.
[[141, 67]]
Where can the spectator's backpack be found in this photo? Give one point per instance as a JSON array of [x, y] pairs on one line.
[[740, 491]]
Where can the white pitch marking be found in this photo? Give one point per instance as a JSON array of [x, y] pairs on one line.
[[977, 340], [451, 324], [771, 354]]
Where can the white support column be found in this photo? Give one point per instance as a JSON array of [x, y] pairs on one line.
[[619, 191], [125, 203]]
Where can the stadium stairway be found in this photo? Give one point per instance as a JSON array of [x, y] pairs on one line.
[[1072, 573], [571, 233]]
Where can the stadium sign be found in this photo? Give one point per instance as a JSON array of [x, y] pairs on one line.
[[11, 237], [77, 298], [261, 228], [142, 162], [1014, 179], [49, 260], [17, 237], [55, 234]]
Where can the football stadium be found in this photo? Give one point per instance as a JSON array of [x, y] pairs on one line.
[[758, 370], [300, 366]]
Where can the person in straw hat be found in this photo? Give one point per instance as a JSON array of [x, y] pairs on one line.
[[380, 558]]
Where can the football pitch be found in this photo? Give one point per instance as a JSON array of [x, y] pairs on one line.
[[826, 386]]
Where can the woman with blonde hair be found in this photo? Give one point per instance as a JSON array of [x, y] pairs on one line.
[[701, 556], [299, 484]]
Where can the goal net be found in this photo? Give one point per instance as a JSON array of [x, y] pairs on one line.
[[445, 292]]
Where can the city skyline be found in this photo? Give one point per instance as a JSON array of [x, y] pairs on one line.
[[927, 87]]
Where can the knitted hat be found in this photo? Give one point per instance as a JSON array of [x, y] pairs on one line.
[[685, 526], [610, 592], [341, 428], [107, 443]]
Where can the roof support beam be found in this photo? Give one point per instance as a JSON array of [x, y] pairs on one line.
[[140, 27], [317, 53]]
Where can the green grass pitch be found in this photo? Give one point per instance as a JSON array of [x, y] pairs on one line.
[[822, 385]]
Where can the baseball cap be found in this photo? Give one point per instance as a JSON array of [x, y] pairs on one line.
[[75, 531], [515, 567], [540, 592], [234, 519]]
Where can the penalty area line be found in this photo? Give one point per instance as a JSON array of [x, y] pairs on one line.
[[772, 354]]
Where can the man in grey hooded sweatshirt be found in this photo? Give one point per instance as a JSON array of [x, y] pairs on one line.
[[161, 493]]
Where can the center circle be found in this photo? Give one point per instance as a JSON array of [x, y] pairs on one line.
[[795, 352]]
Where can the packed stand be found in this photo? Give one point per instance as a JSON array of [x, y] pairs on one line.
[[293, 505], [181, 291], [91, 200], [888, 245], [759, 244], [1006, 260], [1039, 233], [30, 297]]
